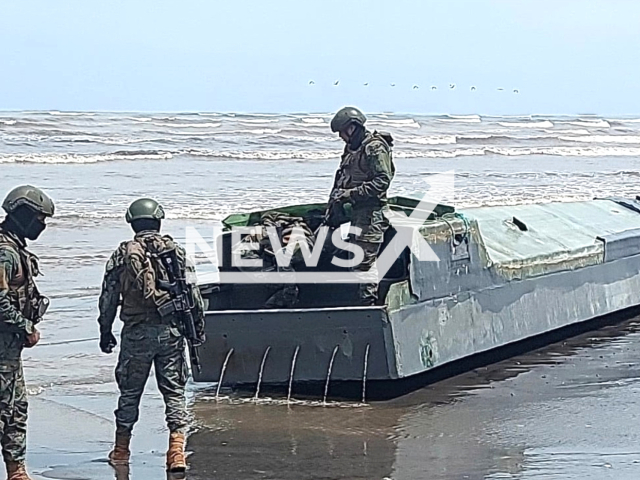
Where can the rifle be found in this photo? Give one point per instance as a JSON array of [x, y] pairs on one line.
[[182, 303]]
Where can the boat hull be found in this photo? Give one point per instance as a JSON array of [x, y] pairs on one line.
[[499, 280]]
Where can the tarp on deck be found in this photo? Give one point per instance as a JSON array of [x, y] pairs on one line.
[[529, 240]]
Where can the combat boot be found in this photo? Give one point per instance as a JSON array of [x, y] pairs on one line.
[[176, 462], [16, 471], [120, 454]]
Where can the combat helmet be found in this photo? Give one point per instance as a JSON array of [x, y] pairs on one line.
[[144, 208], [345, 117], [30, 196]]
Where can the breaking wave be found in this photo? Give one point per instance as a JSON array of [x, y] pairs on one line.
[[543, 124], [604, 139], [70, 158], [189, 125], [314, 121], [430, 140], [266, 154], [461, 119], [524, 151], [590, 123], [400, 123], [71, 114]]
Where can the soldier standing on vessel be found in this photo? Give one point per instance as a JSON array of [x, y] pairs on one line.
[[361, 184]]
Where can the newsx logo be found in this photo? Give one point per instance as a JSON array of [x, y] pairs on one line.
[[440, 186]]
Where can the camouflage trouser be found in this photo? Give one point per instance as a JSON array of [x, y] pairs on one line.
[[142, 346], [13, 414], [373, 224]]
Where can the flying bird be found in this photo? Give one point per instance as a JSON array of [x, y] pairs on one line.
[[415, 87], [473, 88], [311, 82], [500, 89], [452, 86], [433, 87], [516, 91], [366, 84], [393, 84], [336, 84]]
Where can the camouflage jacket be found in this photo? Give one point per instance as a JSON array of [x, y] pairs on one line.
[[366, 172], [130, 281], [18, 295]]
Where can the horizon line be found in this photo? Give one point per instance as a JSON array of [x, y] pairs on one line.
[[229, 112]]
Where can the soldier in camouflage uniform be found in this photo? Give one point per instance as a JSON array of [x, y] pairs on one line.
[[361, 182], [21, 308], [148, 338]]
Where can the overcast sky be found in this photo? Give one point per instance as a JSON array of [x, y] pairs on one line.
[[563, 56]]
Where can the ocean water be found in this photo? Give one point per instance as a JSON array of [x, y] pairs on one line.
[[204, 166]]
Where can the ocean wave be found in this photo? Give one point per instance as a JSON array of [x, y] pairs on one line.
[[42, 128], [244, 115], [71, 114], [89, 139], [265, 154], [626, 139], [259, 121], [568, 132], [256, 131], [460, 119], [569, 151], [301, 130], [8, 122], [523, 151], [203, 211], [465, 117], [105, 140], [300, 138], [596, 123], [195, 134], [543, 124], [396, 124], [590, 123], [488, 175], [461, 152], [314, 120], [189, 125], [527, 116], [491, 138], [316, 155], [430, 140], [71, 158], [138, 119]]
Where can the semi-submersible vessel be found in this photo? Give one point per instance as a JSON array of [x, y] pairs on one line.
[[505, 274]]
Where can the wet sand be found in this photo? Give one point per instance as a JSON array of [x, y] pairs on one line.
[[566, 411], [71, 432]]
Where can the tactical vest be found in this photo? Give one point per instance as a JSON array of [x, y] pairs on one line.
[[23, 291], [354, 170], [141, 296]]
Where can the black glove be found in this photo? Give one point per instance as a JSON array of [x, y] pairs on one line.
[[107, 342]]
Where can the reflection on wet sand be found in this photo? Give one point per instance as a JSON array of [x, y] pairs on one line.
[[544, 414]]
